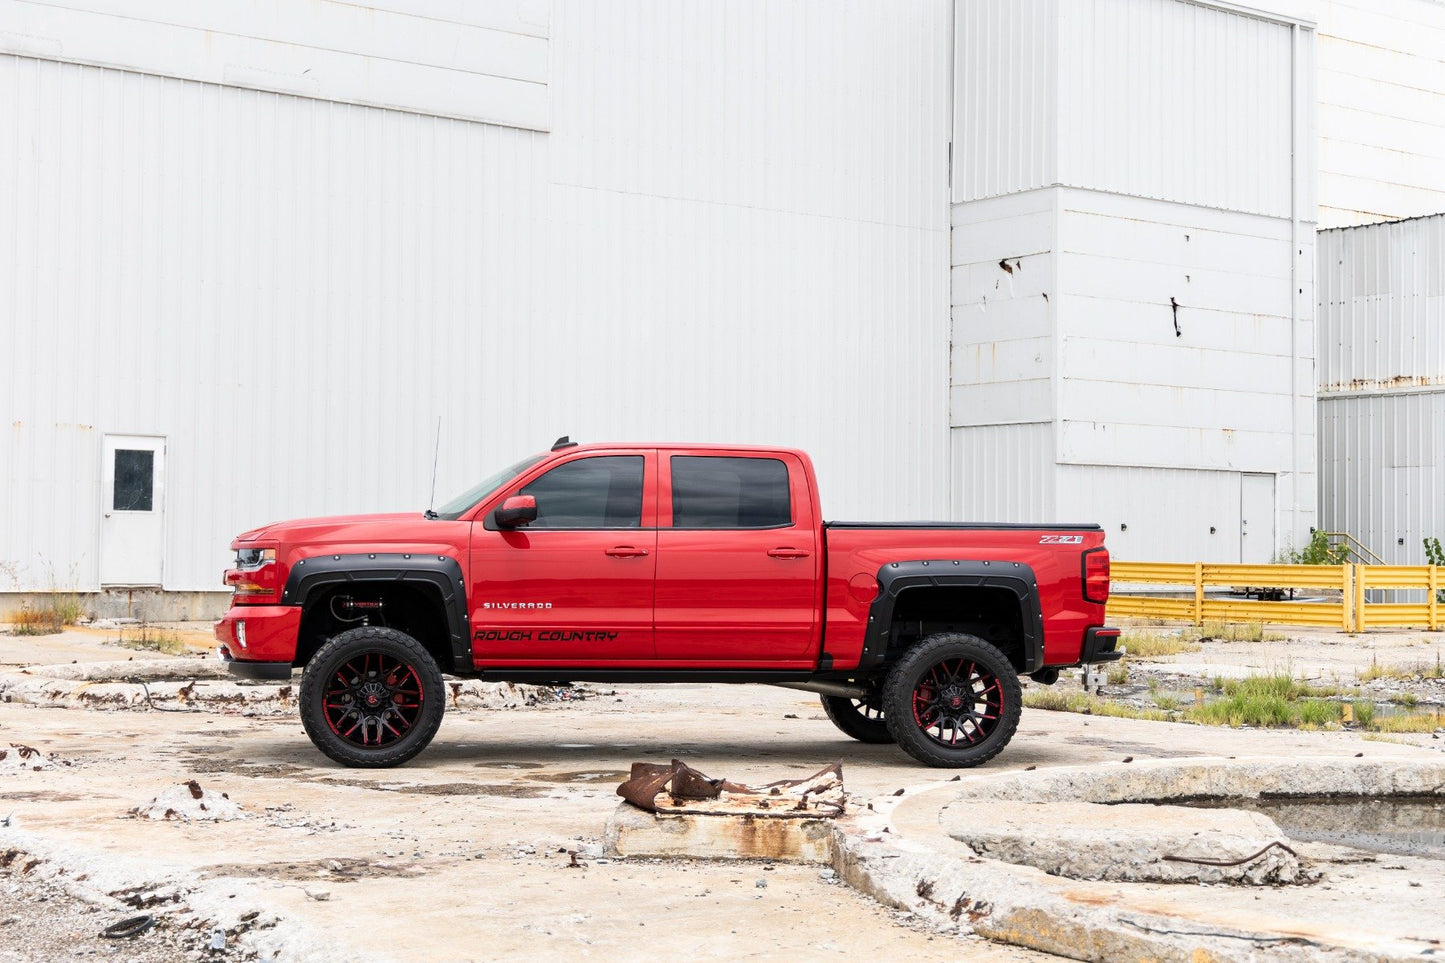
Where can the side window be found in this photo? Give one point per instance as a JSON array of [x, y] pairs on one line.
[[602, 492], [719, 492]]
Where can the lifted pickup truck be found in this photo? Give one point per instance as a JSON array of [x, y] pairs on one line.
[[665, 563]]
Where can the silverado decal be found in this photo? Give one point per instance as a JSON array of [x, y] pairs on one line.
[[516, 605], [1061, 539], [526, 635]]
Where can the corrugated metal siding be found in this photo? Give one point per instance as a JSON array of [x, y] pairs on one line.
[[1004, 473], [1156, 514], [1382, 471], [1382, 306], [1214, 394], [477, 61], [1003, 346], [1177, 101], [1381, 110], [291, 290], [1005, 108], [832, 110]]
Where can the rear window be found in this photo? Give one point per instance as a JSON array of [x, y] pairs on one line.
[[720, 492]]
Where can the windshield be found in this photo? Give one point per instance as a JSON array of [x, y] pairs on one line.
[[454, 509]]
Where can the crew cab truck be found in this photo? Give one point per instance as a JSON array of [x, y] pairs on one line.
[[625, 563]]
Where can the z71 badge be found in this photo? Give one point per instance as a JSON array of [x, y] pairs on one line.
[[1061, 539]]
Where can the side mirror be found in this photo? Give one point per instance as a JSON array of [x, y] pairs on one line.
[[517, 511]]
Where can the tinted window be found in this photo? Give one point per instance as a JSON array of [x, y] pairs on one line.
[[604, 492], [134, 480], [715, 492]]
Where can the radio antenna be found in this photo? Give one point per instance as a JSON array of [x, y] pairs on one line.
[[436, 453]]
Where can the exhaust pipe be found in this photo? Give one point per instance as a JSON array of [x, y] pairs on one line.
[[840, 689]]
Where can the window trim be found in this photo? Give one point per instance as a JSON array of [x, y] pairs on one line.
[[670, 501], [488, 518]]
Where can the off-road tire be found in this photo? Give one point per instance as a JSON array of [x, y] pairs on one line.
[[852, 720], [986, 685], [325, 672]]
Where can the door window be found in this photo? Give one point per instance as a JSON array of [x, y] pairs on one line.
[[602, 492], [134, 487], [720, 492]]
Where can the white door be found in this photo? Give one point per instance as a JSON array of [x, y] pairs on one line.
[[1256, 519], [132, 525]]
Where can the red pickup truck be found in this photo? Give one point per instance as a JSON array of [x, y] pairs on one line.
[[665, 563]]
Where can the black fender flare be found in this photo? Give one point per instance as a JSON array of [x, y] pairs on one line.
[[438, 575], [894, 578]]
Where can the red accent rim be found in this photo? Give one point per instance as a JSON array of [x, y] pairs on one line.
[[373, 700], [958, 702]]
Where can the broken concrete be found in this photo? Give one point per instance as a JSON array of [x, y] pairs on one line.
[[190, 801], [1167, 844], [633, 832]]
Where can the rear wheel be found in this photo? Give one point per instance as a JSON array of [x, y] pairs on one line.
[[862, 719], [371, 698], [952, 701]]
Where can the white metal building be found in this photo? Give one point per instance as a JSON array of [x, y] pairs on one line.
[[251, 252], [1382, 385]]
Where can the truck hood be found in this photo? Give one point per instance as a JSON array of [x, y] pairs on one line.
[[338, 528]]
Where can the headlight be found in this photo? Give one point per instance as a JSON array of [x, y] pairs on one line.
[[249, 559]]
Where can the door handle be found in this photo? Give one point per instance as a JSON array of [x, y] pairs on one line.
[[626, 551], [787, 553]]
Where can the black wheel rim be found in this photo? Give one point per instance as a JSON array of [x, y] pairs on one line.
[[958, 702], [373, 700], [869, 709]]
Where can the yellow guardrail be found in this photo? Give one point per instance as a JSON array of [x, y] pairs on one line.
[[1345, 603]]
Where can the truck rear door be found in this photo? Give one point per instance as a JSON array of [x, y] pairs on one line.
[[738, 560]]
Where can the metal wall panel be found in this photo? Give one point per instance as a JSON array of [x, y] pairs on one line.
[[1178, 101], [1381, 110], [1382, 470], [291, 290], [1156, 514], [1004, 473], [1005, 107], [834, 110], [478, 61], [1382, 306]]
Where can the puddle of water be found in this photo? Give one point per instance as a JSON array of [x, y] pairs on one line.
[[1399, 825]]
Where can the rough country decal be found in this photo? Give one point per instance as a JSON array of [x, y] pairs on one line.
[[516, 605], [551, 635], [1061, 539]]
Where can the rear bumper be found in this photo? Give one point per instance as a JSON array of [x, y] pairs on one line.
[[1100, 645], [259, 641]]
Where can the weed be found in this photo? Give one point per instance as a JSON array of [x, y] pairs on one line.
[[1319, 551], [1412, 722], [56, 611], [1376, 737], [1409, 700], [154, 640], [1423, 670], [1118, 673], [1237, 632], [1166, 702], [1070, 701], [1149, 644]]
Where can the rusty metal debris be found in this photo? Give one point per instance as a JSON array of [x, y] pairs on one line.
[[690, 791]]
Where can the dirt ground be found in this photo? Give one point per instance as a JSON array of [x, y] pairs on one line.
[[460, 855]]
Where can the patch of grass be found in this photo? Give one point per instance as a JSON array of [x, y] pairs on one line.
[[1118, 673], [1424, 670], [1072, 701], [1237, 632], [1166, 702], [55, 612], [1413, 722], [1149, 644], [1408, 699], [152, 639]]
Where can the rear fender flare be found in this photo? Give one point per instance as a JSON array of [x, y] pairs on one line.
[[895, 578]]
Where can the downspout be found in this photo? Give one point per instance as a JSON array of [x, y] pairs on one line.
[[1293, 284]]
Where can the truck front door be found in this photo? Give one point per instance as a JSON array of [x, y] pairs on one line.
[[737, 561], [575, 586]]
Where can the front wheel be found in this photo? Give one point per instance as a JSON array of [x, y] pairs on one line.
[[952, 701], [372, 698]]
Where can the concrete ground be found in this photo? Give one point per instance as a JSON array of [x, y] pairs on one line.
[[455, 856]]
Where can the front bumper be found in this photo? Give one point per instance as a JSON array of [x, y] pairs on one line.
[[259, 641], [1100, 645]]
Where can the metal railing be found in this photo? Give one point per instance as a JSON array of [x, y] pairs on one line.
[[1354, 547], [1341, 602]]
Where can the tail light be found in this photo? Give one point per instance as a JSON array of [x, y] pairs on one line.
[[255, 573], [1096, 575]]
